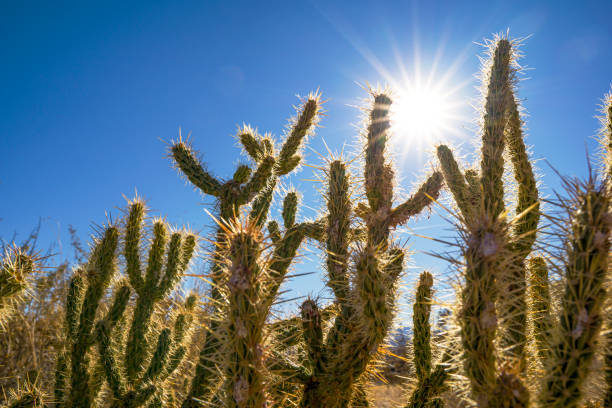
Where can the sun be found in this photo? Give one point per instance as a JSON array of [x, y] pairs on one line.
[[421, 114]]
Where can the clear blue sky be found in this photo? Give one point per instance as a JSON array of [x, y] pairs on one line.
[[88, 91]]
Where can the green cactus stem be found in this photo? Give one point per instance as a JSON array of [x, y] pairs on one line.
[[580, 321]]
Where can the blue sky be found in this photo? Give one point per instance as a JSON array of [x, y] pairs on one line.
[[89, 92]]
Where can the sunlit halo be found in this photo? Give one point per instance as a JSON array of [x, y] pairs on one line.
[[421, 114]]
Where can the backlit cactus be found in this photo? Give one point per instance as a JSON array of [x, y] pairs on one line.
[[430, 381], [478, 195], [231, 196], [134, 370], [16, 267], [127, 338]]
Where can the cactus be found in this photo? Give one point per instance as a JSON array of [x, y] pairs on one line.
[[606, 142], [429, 383], [87, 288], [132, 379], [16, 267], [482, 195], [580, 319], [124, 346], [539, 295], [364, 290], [231, 196]]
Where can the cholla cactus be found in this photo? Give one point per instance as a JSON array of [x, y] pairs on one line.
[[606, 142], [16, 266], [539, 307], [364, 289], [429, 383], [586, 271], [132, 368], [132, 379], [246, 187], [478, 195]]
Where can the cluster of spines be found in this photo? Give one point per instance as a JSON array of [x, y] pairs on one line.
[[15, 269]]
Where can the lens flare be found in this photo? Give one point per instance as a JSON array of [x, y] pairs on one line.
[[421, 113]]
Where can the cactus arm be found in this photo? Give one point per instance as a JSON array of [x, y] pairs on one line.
[[61, 375], [424, 197], [188, 250], [524, 229], [290, 204], [132, 243], [394, 267], [173, 267], [338, 229], [74, 302], [288, 157], [250, 143], [100, 269], [160, 356], [242, 174], [118, 306], [513, 299], [257, 182], [261, 204], [274, 231], [156, 257], [455, 180], [174, 360], [422, 331], [377, 183], [513, 296], [191, 167], [580, 322], [474, 188], [313, 335], [496, 99], [478, 319], [539, 296], [109, 361], [431, 387]]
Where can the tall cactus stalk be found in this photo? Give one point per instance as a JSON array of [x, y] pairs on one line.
[[606, 142], [429, 383], [480, 200], [539, 307], [580, 320]]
